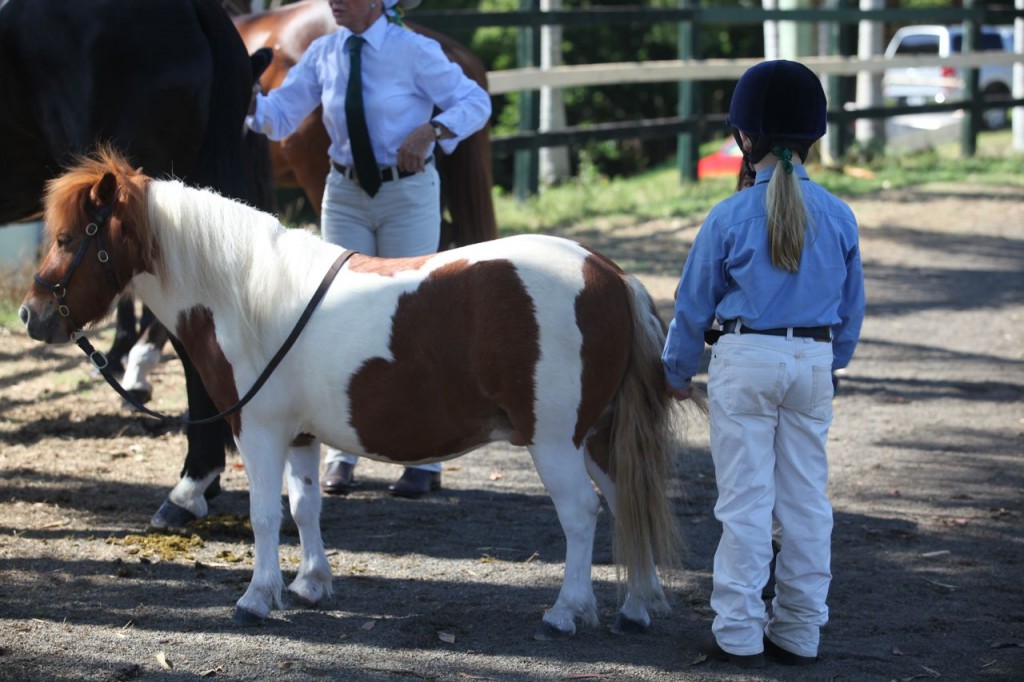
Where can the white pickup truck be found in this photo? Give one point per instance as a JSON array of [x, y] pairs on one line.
[[922, 85]]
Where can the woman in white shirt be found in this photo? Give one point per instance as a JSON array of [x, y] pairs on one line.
[[405, 77]]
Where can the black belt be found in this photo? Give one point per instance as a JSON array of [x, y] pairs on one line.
[[816, 333], [387, 173]]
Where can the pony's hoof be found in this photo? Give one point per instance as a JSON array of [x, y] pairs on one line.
[[294, 600], [247, 618], [628, 626], [549, 633], [170, 515], [141, 396]]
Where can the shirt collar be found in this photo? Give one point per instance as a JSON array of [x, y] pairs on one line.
[[374, 35], [765, 174]]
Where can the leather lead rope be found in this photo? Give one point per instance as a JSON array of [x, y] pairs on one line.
[[100, 361]]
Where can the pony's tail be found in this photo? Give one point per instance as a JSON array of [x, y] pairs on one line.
[[643, 440]]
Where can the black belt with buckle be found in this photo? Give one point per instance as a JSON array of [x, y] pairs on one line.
[[387, 173], [817, 333]]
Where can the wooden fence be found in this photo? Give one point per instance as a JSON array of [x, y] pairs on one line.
[[839, 65]]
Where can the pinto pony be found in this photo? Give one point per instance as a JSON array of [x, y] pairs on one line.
[[530, 339]]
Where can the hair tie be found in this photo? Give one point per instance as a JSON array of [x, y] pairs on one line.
[[395, 14], [786, 156]]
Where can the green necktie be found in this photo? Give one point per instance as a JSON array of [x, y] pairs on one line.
[[367, 171]]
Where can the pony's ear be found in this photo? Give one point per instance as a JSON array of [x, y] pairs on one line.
[[104, 192]]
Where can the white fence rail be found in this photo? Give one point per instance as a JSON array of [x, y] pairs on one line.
[[515, 80]]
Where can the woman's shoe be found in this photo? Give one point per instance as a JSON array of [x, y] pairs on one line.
[[338, 479], [416, 483]]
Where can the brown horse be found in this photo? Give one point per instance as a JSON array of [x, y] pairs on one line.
[[301, 160]]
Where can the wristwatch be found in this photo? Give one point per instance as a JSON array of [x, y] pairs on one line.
[[438, 130]]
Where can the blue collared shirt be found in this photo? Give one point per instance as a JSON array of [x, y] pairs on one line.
[[405, 75], [729, 276]]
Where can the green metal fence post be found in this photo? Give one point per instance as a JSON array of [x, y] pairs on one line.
[[847, 84], [526, 169], [839, 44], [686, 143], [972, 113]]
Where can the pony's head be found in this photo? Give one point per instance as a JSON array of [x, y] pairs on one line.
[[98, 237]]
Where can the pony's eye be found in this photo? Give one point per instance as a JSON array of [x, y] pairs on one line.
[[63, 240]]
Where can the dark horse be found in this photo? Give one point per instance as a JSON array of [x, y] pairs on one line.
[[168, 82], [301, 160]]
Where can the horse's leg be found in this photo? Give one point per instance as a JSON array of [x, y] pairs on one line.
[[125, 333], [313, 581], [634, 615], [143, 359], [263, 453], [564, 475], [204, 460]]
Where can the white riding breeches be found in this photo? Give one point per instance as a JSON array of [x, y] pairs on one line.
[[404, 219], [770, 402]]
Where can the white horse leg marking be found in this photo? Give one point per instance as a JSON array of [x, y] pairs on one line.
[[564, 475], [263, 452], [142, 359], [313, 581], [188, 493]]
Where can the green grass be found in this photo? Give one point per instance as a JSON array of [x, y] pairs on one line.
[[657, 194], [661, 194]]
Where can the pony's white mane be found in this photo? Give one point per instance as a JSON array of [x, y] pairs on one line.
[[225, 251]]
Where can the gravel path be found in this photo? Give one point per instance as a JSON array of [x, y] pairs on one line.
[[927, 475]]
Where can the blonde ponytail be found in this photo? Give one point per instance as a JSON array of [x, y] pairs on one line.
[[787, 215]]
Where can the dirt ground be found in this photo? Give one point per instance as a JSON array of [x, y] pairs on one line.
[[927, 480]]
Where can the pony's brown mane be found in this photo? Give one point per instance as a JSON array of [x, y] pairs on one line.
[[67, 195]]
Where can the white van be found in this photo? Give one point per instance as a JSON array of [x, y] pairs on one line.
[[924, 85]]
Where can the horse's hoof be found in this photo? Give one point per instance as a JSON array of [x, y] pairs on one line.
[[294, 600], [549, 633], [247, 618], [628, 626], [139, 395], [170, 515]]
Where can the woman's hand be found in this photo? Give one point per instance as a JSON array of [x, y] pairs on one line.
[[412, 154], [257, 89]]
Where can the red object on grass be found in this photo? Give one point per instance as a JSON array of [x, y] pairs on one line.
[[725, 161]]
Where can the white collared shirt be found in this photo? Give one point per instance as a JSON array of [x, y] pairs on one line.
[[405, 75]]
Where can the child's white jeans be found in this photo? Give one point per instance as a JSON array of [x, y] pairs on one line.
[[770, 402]]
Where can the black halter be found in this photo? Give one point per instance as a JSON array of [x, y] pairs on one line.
[[60, 290]]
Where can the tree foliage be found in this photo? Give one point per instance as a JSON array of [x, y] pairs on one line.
[[593, 44]]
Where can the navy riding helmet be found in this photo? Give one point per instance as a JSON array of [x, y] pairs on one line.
[[778, 101]]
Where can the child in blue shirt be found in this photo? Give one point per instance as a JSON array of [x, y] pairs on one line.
[[778, 266]]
